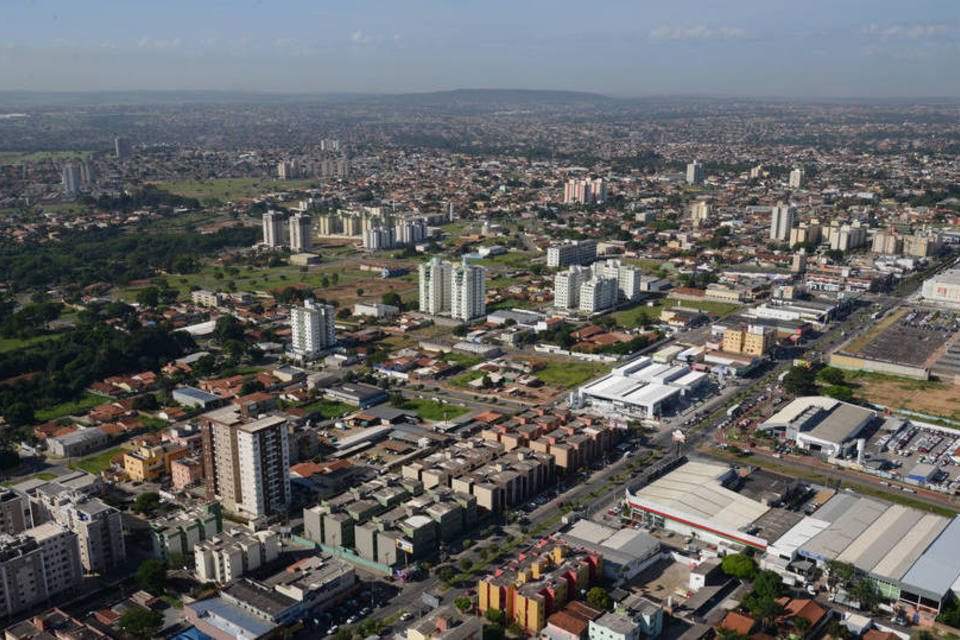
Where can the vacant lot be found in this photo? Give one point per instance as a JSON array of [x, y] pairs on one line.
[[74, 407], [12, 344], [233, 188], [430, 410], [931, 397], [568, 374], [98, 462]]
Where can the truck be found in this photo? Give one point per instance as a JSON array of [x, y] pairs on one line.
[[734, 410]]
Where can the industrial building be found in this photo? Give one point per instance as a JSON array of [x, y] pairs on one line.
[[642, 388], [626, 552], [910, 555], [820, 424], [693, 500]]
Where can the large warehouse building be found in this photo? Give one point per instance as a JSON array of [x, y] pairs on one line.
[[911, 555], [694, 501], [642, 387], [820, 424]]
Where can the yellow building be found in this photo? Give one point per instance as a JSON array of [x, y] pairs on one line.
[[755, 340], [541, 585], [147, 464]]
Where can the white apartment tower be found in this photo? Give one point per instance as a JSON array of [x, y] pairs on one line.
[[782, 219], [628, 278], [467, 292], [273, 229], [796, 178], [313, 329], [566, 286], [301, 232], [699, 212], [598, 293], [694, 172], [71, 179], [435, 281]]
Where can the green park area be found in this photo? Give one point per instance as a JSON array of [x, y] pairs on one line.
[[22, 157], [629, 318]]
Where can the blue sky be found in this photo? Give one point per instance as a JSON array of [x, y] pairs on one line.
[[808, 48]]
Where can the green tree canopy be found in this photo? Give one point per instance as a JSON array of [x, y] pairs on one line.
[[141, 623], [598, 598], [152, 575], [739, 566]]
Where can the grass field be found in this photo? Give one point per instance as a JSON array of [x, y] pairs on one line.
[[73, 407], [328, 408], [12, 344], [570, 374], [233, 188], [930, 396], [97, 462], [512, 260], [707, 306], [630, 318], [430, 410], [319, 278]]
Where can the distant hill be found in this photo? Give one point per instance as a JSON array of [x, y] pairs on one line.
[[498, 97]]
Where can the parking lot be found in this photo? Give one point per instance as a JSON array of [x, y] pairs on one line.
[[913, 337], [911, 452]]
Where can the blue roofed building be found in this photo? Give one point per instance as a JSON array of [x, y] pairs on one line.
[[221, 620]]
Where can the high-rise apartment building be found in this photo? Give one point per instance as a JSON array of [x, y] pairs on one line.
[[287, 170], [628, 278], [246, 463], [467, 292], [329, 144], [566, 286], [313, 329], [796, 178], [14, 512], [88, 172], [435, 281], [782, 219], [699, 212], [301, 232], [756, 171], [572, 252], [99, 529], [694, 172], [585, 191], [36, 565], [598, 293], [273, 229], [70, 177], [122, 148]]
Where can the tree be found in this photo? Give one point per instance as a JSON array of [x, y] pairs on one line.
[[393, 299], [768, 584], [839, 391], [152, 575], [866, 593], [146, 402], [141, 623], [800, 381], [598, 598], [460, 330], [496, 616], [359, 292], [227, 328], [19, 414], [831, 375], [250, 386], [149, 297], [739, 566], [8, 458], [466, 564], [147, 502], [447, 574], [463, 603]]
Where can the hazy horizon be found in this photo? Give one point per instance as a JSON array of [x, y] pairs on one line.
[[741, 48]]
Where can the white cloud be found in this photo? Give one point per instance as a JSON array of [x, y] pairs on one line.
[[698, 32], [359, 37], [910, 31]]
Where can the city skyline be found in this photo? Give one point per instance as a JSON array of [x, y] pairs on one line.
[[817, 49]]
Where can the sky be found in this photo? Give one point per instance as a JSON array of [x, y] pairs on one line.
[[800, 48]]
